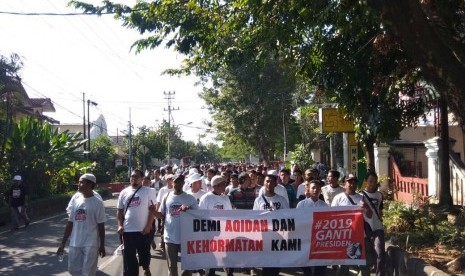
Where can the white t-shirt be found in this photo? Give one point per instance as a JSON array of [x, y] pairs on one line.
[[76, 196], [374, 221], [275, 202], [300, 191], [86, 214], [162, 194], [329, 192], [215, 202], [342, 200], [309, 203], [229, 188], [279, 190], [206, 184], [172, 231], [137, 214], [197, 195], [157, 185]]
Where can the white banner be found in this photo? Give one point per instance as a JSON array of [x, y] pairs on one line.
[[281, 238]]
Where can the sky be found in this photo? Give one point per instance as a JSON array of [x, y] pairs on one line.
[[66, 56]]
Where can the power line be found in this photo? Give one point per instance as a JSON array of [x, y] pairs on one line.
[[98, 13]]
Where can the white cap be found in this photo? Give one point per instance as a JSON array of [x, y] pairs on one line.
[[192, 171], [272, 172], [17, 178], [217, 179], [195, 177], [89, 176]]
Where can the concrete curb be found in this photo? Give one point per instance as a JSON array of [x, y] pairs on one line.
[[417, 266], [402, 263]]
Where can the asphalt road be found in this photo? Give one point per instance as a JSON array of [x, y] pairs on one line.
[[32, 250]]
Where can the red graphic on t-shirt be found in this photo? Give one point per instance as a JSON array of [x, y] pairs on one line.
[[135, 202], [218, 206], [80, 215], [175, 209]]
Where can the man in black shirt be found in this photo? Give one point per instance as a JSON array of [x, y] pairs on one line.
[[18, 200]]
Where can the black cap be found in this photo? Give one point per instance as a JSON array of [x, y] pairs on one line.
[[179, 178]]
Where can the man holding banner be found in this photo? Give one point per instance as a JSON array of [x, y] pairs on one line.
[[176, 202], [351, 198], [216, 200], [313, 189], [269, 200]]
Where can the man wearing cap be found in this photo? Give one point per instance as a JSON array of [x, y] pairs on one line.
[[18, 201], [86, 227], [135, 223], [187, 183], [216, 200], [176, 202], [351, 198], [195, 190]]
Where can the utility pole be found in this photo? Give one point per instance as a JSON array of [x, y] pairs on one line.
[[169, 96], [130, 144], [89, 102], [84, 118]]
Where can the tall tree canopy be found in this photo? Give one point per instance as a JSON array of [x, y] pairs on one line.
[[348, 48]]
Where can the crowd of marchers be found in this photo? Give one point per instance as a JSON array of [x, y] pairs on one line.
[[153, 202]]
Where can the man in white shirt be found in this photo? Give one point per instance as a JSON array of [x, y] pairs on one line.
[[216, 200], [162, 194], [278, 189], [351, 198], [195, 190], [333, 188], [86, 226], [135, 223], [176, 202], [375, 237], [269, 200], [313, 190]]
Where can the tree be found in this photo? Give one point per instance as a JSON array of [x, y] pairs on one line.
[[103, 154], [432, 33], [38, 152], [251, 102]]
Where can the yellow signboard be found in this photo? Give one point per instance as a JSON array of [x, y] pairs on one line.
[[331, 120]]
